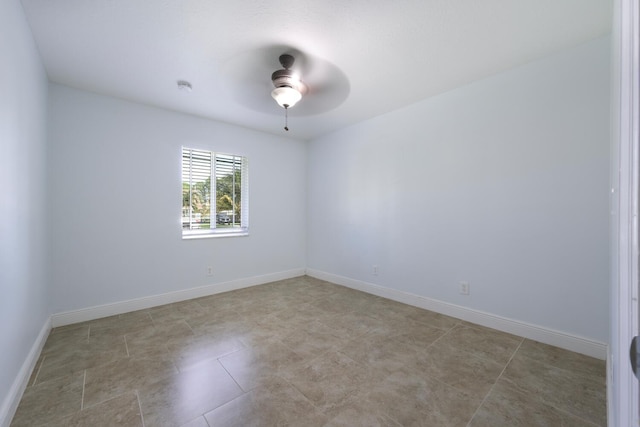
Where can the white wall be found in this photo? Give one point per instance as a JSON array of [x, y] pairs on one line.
[[502, 183], [23, 235], [116, 202]]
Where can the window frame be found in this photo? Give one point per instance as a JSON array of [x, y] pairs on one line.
[[216, 158]]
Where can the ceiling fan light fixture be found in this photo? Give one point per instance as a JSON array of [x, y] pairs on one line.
[[288, 86], [286, 96]]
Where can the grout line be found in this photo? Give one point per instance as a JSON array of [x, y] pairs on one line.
[[196, 300], [84, 381], [447, 332], [125, 345], [190, 328], [496, 382], [35, 379], [153, 321], [173, 362], [140, 407], [540, 402], [234, 380]]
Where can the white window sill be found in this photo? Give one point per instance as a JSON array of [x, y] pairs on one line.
[[213, 234]]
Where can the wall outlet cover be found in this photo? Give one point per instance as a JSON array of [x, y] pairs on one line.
[[464, 288]]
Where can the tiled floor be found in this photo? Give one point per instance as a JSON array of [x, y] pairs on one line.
[[303, 352]]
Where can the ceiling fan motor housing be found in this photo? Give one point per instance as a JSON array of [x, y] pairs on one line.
[[287, 77]]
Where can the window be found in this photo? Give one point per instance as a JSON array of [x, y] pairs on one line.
[[218, 210]]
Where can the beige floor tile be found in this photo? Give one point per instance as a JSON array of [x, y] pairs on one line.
[[381, 353], [313, 339], [506, 407], [228, 325], [125, 375], [274, 403], [59, 340], [265, 305], [216, 316], [196, 422], [361, 413], [382, 309], [332, 381], [411, 400], [123, 410], [352, 325], [221, 302], [253, 366], [76, 358], [573, 391], [296, 316], [74, 326], [49, 401], [202, 347], [250, 312], [564, 359], [154, 341], [33, 378], [180, 398], [178, 311], [414, 333], [120, 325], [430, 318], [263, 333], [483, 342], [342, 302], [312, 289], [458, 368]]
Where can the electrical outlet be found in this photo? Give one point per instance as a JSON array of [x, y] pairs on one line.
[[464, 288], [209, 271], [374, 271]]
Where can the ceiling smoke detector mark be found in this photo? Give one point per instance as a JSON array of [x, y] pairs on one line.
[[184, 86]]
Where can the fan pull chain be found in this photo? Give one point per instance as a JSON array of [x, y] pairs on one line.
[[286, 118]]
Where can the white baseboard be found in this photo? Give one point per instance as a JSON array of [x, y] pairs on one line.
[[545, 335], [12, 400], [97, 312], [537, 333]]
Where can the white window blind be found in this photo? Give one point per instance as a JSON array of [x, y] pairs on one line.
[[214, 194]]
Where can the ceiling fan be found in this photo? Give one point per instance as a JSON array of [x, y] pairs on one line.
[[314, 85], [289, 87]]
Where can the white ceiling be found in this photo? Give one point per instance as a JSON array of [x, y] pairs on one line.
[[388, 53]]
